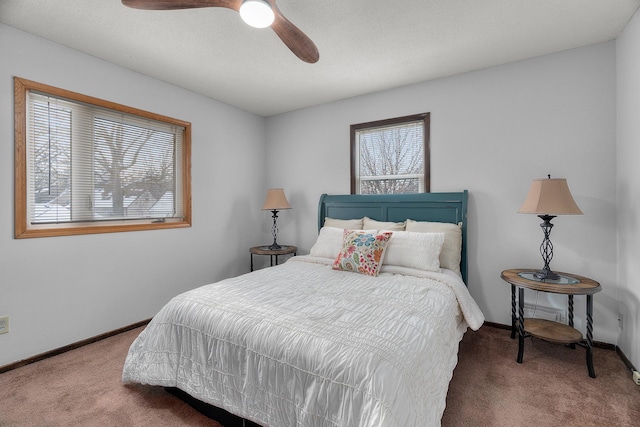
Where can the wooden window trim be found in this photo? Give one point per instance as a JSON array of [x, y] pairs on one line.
[[22, 228], [424, 117]]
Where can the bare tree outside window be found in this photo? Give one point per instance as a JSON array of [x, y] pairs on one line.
[[132, 163], [390, 156]]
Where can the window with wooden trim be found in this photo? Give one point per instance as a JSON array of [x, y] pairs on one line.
[[391, 156], [84, 165]]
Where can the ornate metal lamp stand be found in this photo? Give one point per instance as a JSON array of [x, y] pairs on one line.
[[274, 231], [546, 250]]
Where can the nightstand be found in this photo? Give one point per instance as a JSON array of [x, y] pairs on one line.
[[568, 284], [273, 253]]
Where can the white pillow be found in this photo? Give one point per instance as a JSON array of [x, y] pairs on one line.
[[349, 224], [415, 250], [328, 243], [372, 224], [451, 249]]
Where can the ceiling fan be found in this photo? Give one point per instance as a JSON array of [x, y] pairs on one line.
[[251, 12]]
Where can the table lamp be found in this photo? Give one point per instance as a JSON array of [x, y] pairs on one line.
[[548, 198], [276, 201]]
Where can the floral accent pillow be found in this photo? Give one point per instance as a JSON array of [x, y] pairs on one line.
[[362, 251]]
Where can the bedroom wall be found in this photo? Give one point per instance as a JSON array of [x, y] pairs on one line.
[[64, 289], [628, 187], [492, 132]]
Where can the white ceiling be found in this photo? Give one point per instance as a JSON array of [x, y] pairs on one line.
[[365, 45]]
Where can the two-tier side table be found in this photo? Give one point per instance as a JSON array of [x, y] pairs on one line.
[[273, 253], [567, 284]]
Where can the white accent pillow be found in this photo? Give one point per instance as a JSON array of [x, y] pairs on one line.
[[415, 250], [372, 224], [349, 224], [328, 243], [451, 249]]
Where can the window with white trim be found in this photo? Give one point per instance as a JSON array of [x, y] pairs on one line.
[[85, 165], [391, 156]]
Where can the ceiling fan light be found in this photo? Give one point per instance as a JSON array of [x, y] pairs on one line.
[[257, 13]]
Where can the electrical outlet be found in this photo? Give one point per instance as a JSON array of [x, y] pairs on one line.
[[636, 377], [4, 324]]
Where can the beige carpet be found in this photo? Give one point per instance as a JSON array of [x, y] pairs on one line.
[[83, 387], [551, 388]]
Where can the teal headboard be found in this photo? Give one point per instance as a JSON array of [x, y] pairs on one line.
[[436, 207]]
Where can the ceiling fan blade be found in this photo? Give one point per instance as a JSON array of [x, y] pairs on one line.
[[181, 4], [293, 37]]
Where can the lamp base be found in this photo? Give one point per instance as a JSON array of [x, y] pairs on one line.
[[274, 231], [546, 250], [546, 274]]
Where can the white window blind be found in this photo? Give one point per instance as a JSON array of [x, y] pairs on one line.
[[87, 163]]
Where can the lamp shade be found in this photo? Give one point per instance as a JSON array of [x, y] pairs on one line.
[[276, 200], [550, 196]]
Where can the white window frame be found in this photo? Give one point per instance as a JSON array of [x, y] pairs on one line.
[[24, 228]]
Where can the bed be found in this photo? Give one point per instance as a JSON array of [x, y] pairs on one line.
[[313, 341]]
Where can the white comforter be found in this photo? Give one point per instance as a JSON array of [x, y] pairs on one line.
[[303, 345]]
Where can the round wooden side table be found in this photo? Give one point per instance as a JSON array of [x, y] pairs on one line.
[[273, 253], [567, 284]]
